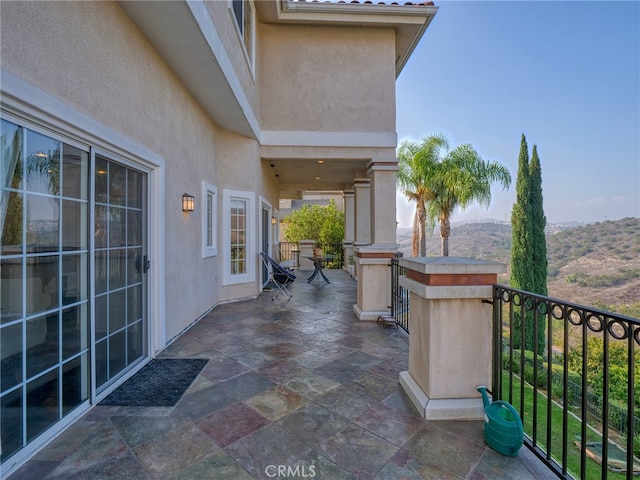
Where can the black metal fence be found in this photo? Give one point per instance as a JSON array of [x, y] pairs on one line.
[[399, 295], [290, 251], [565, 368]]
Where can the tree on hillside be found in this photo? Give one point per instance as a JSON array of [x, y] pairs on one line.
[[528, 245], [538, 224], [325, 225], [439, 180], [461, 178], [417, 160]]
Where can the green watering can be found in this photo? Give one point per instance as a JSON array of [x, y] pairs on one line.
[[503, 429]]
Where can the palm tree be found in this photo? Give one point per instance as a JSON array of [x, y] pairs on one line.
[[417, 162], [459, 179]]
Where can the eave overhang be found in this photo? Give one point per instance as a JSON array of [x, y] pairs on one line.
[[186, 38], [410, 20]]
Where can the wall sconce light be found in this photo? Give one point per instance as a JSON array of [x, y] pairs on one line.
[[188, 202], [273, 220]]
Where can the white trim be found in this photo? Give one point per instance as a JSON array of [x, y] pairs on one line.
[[269, 228], [280, 138], [248, 55], [209, 250], [36, 106], [25, 101], [210, 33], [249, 275]]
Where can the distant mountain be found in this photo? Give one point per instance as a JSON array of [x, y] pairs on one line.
[[597, 264]]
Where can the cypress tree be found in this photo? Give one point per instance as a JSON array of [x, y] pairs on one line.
[[538, 224], [521, 246], [538, 240]]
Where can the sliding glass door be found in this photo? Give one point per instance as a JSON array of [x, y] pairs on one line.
[[120, 267], [44, 295], [72, 278]]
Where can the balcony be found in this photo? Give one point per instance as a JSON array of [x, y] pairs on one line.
[[301, 389]]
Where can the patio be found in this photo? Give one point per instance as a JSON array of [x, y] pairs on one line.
[[295, 390]]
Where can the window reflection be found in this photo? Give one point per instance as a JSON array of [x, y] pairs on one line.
[[75, 170], [42, 164], [42, 343], [12, 209], [74, 225], [41, 283], [11, 289], [44, 187], [42, 404], [11, 423], [43, 224]]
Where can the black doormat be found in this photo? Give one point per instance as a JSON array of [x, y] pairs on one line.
[[160, 383]]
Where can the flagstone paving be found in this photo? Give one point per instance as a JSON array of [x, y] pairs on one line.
[[291, 390]]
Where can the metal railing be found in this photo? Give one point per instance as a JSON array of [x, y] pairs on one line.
[[337, 250], [572, 372], [291, 251], [399, 295]]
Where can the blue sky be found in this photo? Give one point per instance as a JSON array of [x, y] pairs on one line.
[[566, 74]]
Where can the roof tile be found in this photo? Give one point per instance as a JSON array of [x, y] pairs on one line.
[[371, 2]]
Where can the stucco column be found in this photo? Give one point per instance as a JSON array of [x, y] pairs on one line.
[[362, 211], [374, 281], [349, 230], [383, 201], [306, 250], [450, 333]]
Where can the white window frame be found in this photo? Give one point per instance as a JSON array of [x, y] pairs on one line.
[[209, 217], [248, 16], [249, 275]]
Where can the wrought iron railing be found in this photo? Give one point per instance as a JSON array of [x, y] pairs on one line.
[[337, 251], [573, 373], [291, 251], [399, 295]]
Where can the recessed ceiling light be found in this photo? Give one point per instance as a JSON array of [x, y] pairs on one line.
[[320, 161], [317, 178]]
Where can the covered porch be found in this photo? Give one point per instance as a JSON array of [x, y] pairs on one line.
[[301, 386]]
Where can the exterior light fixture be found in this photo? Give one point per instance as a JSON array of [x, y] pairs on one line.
[[273, 220], [188, 202]]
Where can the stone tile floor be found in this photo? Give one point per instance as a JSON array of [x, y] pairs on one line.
[[291, 390]]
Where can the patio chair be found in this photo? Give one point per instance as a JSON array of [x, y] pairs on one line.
[[279, 275]]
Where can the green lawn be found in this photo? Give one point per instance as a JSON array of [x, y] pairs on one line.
[[574, 425]]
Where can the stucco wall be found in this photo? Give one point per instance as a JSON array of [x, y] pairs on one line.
[[222, 17], [92, 57], [300, 91]]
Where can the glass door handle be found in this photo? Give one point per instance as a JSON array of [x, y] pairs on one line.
[[146, 264]]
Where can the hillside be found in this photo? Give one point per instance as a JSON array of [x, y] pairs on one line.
[[596, 264]]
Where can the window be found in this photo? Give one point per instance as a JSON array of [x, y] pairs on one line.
[[239, 219], [209, 220], [44, 278], [244, 19]]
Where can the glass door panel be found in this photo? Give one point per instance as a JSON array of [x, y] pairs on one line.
[[44, 323], [119, 259]]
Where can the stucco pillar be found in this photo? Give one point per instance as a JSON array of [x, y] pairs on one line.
[[383, 201], [450, 334], [373, 261], [306, 250], [374, 281], [362, 211], [349, 230]]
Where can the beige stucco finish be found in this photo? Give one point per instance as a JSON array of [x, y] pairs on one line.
[[294, 61], [92, 57], [450, 339]]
